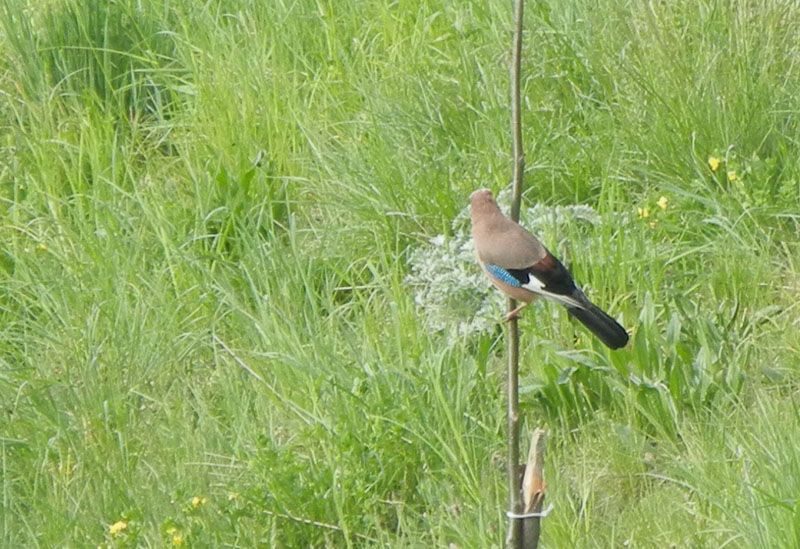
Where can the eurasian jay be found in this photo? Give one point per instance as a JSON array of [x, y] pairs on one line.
[[522, 268]]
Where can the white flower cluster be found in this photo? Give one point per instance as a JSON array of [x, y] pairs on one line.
[[449, 289]]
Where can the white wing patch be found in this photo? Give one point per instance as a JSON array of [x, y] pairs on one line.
[[537, 286]]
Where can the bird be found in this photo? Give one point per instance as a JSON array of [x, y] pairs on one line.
[[523, 269]]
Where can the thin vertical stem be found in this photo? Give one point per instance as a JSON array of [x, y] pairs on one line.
[[516, 113], [514, 539]]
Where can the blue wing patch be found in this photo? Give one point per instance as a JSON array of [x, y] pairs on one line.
[[501, 274]]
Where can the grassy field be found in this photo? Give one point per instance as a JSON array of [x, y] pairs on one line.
[[238, 306]]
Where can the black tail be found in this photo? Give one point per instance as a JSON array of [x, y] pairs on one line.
[[603, 326]]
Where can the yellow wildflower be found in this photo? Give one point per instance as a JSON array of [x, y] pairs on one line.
[[42, 247], [117, 528], [643, 212], [177, 540], [731, 176], [197, 501], [713, 163], [662, 202], [652, 224]]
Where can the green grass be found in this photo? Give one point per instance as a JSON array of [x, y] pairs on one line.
[[209, 213]]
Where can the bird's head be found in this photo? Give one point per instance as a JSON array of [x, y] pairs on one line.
[[482, 203]]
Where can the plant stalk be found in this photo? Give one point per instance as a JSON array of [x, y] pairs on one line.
[[514, 539]]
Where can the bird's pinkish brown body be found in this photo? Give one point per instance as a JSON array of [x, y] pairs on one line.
[[523, 269]]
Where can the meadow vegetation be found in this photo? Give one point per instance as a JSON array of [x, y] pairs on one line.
[[232, 273]]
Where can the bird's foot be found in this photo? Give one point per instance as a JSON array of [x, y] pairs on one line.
[[515, 312]]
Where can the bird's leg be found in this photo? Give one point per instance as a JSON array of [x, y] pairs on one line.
[[515, 312]]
